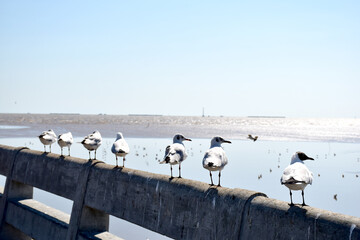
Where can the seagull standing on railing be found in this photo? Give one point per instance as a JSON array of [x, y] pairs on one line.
[[65, 140], [215, 158], [120, 148], [47, 138], [92, 142], [297, 176], [175, 153]]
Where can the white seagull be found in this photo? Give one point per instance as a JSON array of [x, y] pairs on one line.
[[175, 153], [47, 138], [92, 141], [120, 148], [215, 158], [65, 140], [297, 176]]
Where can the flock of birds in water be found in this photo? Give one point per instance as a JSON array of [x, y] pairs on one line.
[[295, 177]]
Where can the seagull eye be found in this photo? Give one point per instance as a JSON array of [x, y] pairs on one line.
[[178, 137], [217, 139]]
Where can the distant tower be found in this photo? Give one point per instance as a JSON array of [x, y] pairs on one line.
[[203, 115]]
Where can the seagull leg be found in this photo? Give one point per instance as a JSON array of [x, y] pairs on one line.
[[61, 151], [44, 148], [179, 170], [302, 193], [95, 155], [123, 161], [69, 150], [212, 184], [116, 161], [291, 204], [50, 147], [171, 177], [219, 179], [89, 156]]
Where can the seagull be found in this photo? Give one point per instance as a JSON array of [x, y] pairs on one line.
[[252, 138], [175, 153], [120, 148], [92, 141], [215, 158], [297, 176], [47, 138], [65, 140]]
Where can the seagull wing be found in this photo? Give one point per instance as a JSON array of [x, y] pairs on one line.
[[91, 141], [66, 137], [215, 157], [174, 153], [49, 136], [120, 146], [297, 173]]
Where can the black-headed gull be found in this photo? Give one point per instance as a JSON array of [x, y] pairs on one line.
[[120, 147], [175, 153], [47, 138], [92, 141], [297, 176], [215, 158], [65, 140]]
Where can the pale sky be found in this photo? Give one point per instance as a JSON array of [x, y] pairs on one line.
[[234, 58]]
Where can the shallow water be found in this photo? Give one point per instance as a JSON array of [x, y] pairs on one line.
[[252, 165]]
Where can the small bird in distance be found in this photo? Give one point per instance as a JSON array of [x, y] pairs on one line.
[[252, 138]]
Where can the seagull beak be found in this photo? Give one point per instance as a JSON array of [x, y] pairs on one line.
[[187, 139], [226, 141], [310, 158]]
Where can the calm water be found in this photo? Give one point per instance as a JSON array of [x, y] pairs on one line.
[[333, 143]]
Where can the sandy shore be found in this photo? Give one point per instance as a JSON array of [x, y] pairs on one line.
[[108, 125]]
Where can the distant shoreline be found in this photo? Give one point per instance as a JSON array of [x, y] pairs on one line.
[[266, 117], [268, 128]]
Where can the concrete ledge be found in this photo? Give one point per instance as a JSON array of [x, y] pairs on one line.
[[180, 208], [280, 221], [37, 220], [97, 236], [40, 221]]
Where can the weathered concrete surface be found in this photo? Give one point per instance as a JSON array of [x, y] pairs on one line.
[[84, 218], [49, 172], [10, 233], [96, 236], [24, 218], [37, 220], [180, 209]]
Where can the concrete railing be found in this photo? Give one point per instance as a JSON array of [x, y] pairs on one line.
[[180, 209]]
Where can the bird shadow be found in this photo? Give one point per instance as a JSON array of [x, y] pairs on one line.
[[173, 178], [119, 168], [297, 208]]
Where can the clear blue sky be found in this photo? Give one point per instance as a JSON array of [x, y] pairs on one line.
[[235, 58]]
